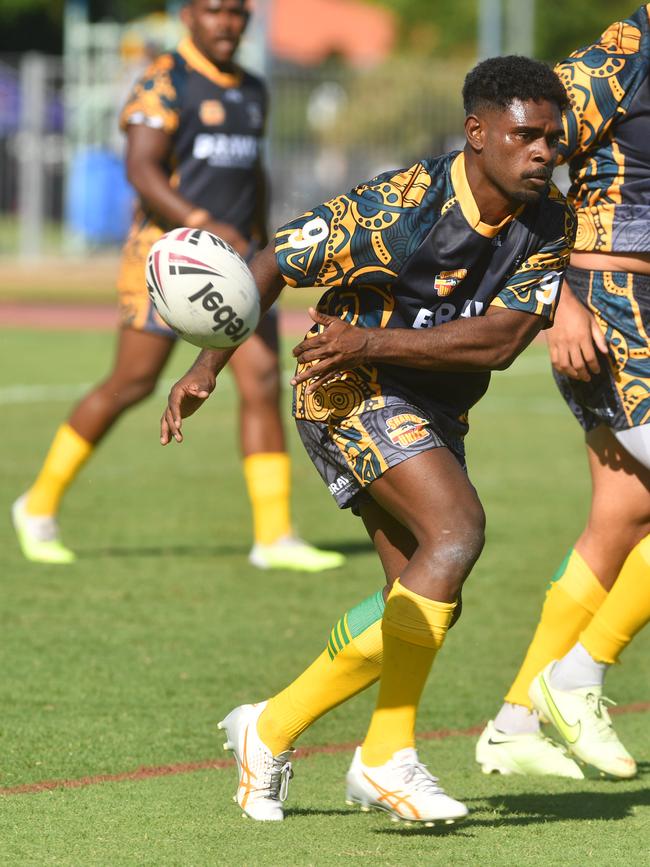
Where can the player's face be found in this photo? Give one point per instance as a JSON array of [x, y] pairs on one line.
[[216, 26], [519, 147]]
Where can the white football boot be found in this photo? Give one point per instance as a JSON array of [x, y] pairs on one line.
[[293, 553], [38, 536], [263, 778], [580, 717], [404, 788], [530, 754]]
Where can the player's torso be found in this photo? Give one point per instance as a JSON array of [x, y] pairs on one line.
[[455, 272], [216, 148], [446, 270], [611, 182]]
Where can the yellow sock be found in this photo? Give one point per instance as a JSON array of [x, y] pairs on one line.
[[268, 481], [414, 629], [351, 662], [67, 454], [625, 611], [571, 601]]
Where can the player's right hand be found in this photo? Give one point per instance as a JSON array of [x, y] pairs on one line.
[[575, 339], [186, 396], [231, 235]]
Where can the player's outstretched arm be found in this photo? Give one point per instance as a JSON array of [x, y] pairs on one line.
[[192, 389], [489, 342], [574, 338]]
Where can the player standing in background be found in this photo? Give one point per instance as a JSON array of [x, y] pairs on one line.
[[194, 126], [433, 277], [600, 349]]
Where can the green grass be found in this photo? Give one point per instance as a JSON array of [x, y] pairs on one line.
[[129, 657]]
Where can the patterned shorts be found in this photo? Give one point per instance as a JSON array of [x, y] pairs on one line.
[[136, 308], [619, 396], [352, 452]]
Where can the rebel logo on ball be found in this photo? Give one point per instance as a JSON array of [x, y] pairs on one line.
[[223, 315]]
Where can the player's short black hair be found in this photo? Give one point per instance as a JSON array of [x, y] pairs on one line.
[[497, 81]]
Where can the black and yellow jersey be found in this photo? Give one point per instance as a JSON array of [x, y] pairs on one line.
[[216, 124], [607, 137], [408, 250]]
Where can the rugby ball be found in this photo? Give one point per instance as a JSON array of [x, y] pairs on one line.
[[202, 288]]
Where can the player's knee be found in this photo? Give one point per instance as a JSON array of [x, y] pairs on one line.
[[261, 387], [130, 392], [461, 549], [456, 546]]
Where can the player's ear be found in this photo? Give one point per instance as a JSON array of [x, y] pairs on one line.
[[186, 14], [475, 132]]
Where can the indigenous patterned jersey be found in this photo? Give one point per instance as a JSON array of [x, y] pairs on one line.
[[607, 137], [408, 250], [216, 123]]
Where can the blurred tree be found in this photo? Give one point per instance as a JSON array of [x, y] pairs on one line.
[[447, 28], [37, 25], [31, 25]]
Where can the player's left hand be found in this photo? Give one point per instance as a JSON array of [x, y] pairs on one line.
[[186, 396], [340, 346]]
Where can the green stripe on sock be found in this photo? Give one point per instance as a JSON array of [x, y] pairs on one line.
[[334, 639], [365, 614], [562, 567], [342, 633], [354, 622]]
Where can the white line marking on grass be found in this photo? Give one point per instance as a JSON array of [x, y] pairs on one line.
[[17, 394]]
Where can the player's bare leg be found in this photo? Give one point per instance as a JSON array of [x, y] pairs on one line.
[[619, 517], [431, 496], [618, 523], [255, 367], [139, 360]]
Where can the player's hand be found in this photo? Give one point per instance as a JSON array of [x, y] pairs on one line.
[[186, 396], [574, 339], [340, 346], [231, 235]]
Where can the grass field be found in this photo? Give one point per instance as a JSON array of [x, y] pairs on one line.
[[125, 661]]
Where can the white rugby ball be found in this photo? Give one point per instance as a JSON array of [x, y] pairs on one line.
[[202, 288]]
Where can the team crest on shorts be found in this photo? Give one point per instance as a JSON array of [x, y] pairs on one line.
[[212, 112], [405, 429], [446, 281]]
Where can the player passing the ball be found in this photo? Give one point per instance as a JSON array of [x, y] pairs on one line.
[[432, 277], [600, 597], [194, 124]]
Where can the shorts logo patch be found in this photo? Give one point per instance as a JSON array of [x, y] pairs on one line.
[[446, 281], [212, 112], [405, 430]]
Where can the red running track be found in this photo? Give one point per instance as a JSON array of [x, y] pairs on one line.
[[147, 773], [86, 317]]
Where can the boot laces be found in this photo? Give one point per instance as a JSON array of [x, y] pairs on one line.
[[280, 774], [417, 775], [602, 722]]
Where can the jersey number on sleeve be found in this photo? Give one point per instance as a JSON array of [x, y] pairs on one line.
[[313, 232]]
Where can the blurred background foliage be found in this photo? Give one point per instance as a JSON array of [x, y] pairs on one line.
[[447, 28], [430, 28]]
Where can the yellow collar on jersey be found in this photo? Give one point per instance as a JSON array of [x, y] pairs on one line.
[[191, 54], [467, 201]]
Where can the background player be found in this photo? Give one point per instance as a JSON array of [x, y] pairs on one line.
[[600, 350], [194, 126], [434, 276]]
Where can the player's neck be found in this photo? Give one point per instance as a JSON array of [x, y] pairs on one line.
[[228, 67], [494, 206]]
